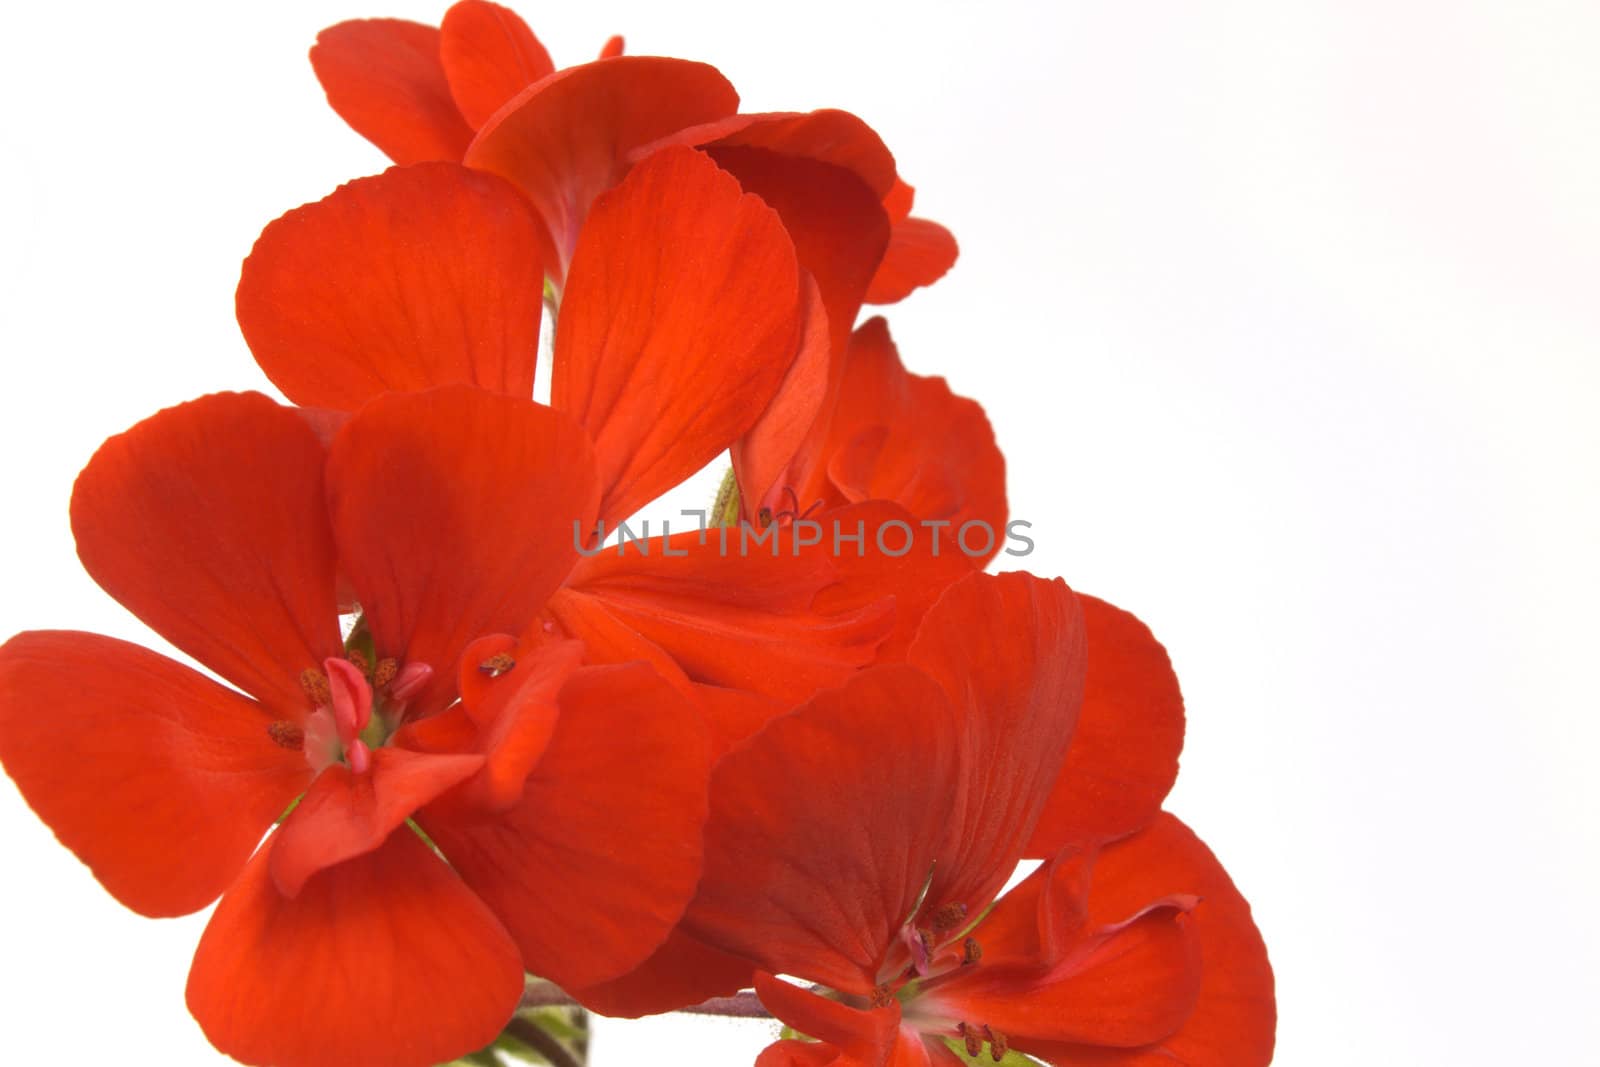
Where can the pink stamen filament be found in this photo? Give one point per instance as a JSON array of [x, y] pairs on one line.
[[409, 682]]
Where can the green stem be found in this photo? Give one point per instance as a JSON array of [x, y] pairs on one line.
[[539, 994], [534, 1036]]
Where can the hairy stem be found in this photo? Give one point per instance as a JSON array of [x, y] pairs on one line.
[[738, 1006]]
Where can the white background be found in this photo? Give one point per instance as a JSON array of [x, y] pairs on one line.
[[1286, 314]]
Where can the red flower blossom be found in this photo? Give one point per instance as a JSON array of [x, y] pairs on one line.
[[859, 842], [673, 336], [223, 524], [878, 433], [419, 92], [464, 93]]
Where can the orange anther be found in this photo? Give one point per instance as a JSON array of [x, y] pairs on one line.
[[947, 918], [384, 672], [315, 683], [497, 664], [286, 735]]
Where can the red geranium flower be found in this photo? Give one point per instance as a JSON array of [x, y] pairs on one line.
[[879, 433], [463, 92], [859, 843], [225, 525], [676, 329]]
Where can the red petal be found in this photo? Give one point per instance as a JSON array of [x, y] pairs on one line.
[[734, 714], [1038, 923], [901, 437], [824, 827], [762, 458], [417, 480], [898, 202], [385, 961], [827, 136], [851, 1036], [566, 140], [897, 556], [489, 56], [737, 615], [1122, 985], [920, 252], [607, 638], [612, 48], [835, 219], [730, 715], [1124, 754], [208, 522], [678, 324], [421, 276], [791, 1052], [161, 780], [384, 78], [510, 717], [1009, 649], [840, 231], [344, 815], [595, 867], [682, 972], [1234, 1021]]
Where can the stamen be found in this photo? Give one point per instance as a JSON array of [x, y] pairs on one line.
[[384, 672], [286, 734], [921, 948], [970, 1038], [497, 664], [359, 658], [947, 918], [971, 952], [882, 995], [315, 683], [997, 1044], [409, 681]]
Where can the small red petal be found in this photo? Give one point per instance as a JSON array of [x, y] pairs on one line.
[[920, 252], [384, 77], [567, 138], [347, 813], [489, 55]]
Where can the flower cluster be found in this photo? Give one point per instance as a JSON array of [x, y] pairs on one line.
[[455, 736]]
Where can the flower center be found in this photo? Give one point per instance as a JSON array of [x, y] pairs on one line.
[[356, 707], [929, 953]]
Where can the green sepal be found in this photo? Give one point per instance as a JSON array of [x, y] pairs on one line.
[[725, 509]]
